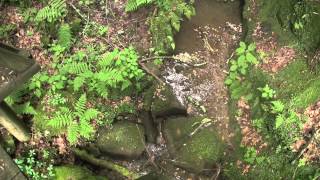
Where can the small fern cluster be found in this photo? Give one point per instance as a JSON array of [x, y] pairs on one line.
[[55, 10], [15, 99], [166, 22], [133, 5], [114, 71], [65, 36], [76, 121]]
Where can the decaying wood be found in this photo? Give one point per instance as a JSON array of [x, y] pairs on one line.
[[82, 154], [10, 121]]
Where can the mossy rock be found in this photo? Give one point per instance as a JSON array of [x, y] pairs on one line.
[[123, 139], [165, 104], [7, 142], [75, 173], [195, 153]]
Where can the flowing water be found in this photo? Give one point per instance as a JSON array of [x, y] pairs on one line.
[[211, 36]]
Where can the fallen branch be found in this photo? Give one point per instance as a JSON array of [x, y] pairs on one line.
[[82, 154], [145, 68]]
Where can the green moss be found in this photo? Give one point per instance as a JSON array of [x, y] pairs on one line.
[[75, 173], [124, 138], [309, 96], [297, 82], [275, 14], [167, 104], [197, 152], [203, 148]]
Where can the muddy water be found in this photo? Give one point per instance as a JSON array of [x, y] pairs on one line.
[[211, 36], [209, 12]]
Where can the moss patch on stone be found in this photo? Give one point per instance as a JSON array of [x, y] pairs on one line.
[[194, 152], [297, 85], [75, 173], [166, 104], [123, 139]]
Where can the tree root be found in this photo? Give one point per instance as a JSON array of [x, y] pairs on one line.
[[82, 154]]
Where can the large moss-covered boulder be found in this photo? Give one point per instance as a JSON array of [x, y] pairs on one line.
[[165, 103], [123, 139], [193, 148], [75, 173]]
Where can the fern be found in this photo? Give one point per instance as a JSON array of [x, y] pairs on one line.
[[78, 67], [133, 5], [51, 13], [64, 36], [76, 121], [61, 120], [164, 24], [25, 108], [80, 105], [72, 133]]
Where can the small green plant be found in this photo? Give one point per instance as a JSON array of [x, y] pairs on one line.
[[76, 121], [277, 107], [54, 11], [240, 66], [6, 30], [165, 22], [113, 71], [252, 157], [65, 36], [266, 92], [36, 169]]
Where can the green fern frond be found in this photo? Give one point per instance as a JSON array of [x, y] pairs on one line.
[[25, 108], [78, 67], [73, 133], [61, 120], [52, 12], [85, 129], [64, 36], [133, 5], [102, 89], [80, 106], [78, 82], [15, 97], [90, 114]]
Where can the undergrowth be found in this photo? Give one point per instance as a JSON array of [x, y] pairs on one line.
[[274, 104], [165, 22]]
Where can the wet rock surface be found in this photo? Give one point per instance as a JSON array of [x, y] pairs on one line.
[[192, 146], [123, 139], [165, 103]]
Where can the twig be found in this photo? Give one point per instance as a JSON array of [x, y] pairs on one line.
[[106, 8], [306, 147], [78, 11], [218, 173], [155, 57], [144, 67]]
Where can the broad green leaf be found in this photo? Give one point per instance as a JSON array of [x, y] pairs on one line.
[[251, 58], [251, 47], [233, 67], [243, 45]]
